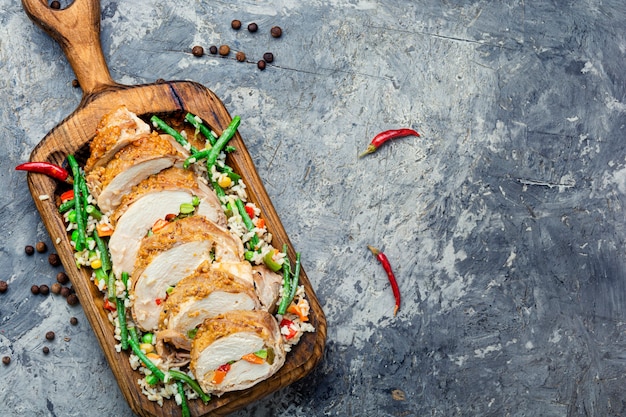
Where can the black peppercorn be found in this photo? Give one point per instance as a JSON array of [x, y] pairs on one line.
[[44, 289], [261, 65], [46, 350], [54, 259], [253, 27], [34, 289], [72, 299], [73, 321], [50, 335], [268, 57], [62, 278], [29, 250], [4, 286], [213, 49], [276, 32], [197, 50], [6, 360], [235, 24]]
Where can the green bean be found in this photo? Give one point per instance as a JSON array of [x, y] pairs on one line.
[[78, 206], [254, 240], [93, 212], [226, 135], [111, 287], [172, 132], [284, 301], [125, 279], [121, 317], [67, 205], [134, 345], [201, 127], [183, 400], [295, 279], [104, 252], [181, 376]]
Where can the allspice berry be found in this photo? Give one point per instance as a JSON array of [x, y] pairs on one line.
[[62, 278], [56, 5], [268, 57], [6, 360], [224, 50], [4, 286], [261, 65], [235, 24], [253, 27], [41, 247], [240, 56], [197, 51], [54, 259], [276, 32], [72, 299], [213, 49], [50, 335]]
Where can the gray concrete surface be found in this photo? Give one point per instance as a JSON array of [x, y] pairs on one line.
[[504, 222]]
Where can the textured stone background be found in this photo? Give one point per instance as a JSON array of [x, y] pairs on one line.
[[504, 222]]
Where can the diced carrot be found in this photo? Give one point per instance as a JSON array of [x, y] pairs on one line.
[[220, 373], [159, 224], [252, 358], [295, 309], [104, 229], [249, 210], [260, 223], [109, 305], [68, 195], [153, 356]]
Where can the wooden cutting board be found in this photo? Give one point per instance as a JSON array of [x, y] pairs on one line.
[[77, 30]]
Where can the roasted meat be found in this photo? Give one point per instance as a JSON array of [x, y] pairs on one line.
[[220, 349], [267, 284], [206, 293]]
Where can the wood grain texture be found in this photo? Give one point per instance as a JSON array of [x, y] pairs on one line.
[[170, 100]]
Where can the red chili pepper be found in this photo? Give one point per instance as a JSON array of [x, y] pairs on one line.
[[383, 137], [382, 258], [48, 169], [287, 323], [67, 196], [250, 211]]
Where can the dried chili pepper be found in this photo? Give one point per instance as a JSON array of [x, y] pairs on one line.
[[382, 258], [47, 168], [385, 136]]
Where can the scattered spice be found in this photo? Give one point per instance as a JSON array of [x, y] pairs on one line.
[[29, 250], [56, 5], [62, 278], [46, 350], [268, 57], [50, 335], [75, 83], [73, 321], [159, 81], [235, 24], [44, 289], [213, 49], [54, 259], [197, 50], [385, 136], [6, 360], [34, 289], [4, 286], [261, 65], [41, 247], [382, 258], [253, 27], [241, 57], [72, 299], [224, 50], [56, 288], [276, 32], [65, 292]]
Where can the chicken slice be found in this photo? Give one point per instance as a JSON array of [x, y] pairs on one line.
[[171, 254], [226, 339], [267, 284], [135, 162], [204, 294], [153, 199], [116, 130], [241, 270]]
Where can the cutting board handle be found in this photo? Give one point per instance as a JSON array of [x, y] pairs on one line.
[[77, 31]]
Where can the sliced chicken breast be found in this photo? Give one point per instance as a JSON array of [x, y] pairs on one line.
[[204, 294], [132, 164], [116, 130], [153, 199], [267, 284], [171, 254], [222, 343]]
